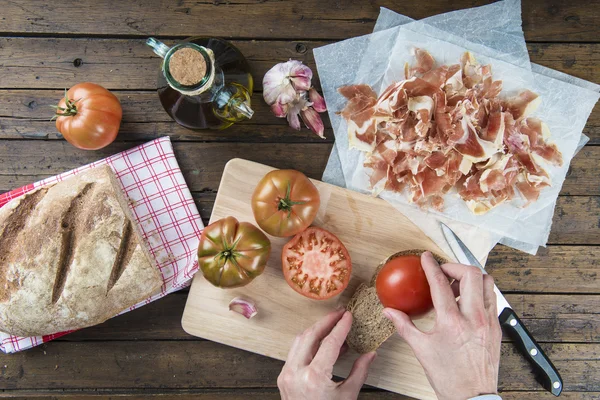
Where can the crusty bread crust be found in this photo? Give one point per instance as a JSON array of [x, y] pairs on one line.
[[370, 328], [71, 256]]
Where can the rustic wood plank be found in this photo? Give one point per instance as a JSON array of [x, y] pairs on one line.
[[145, 119], [547, 396], [575, 362], [138, 107], [130, 64], [550, 318], [203, 364], [25, 114], [55, 63], [252, 394], [558, 269], [542, 20], [202, 163]]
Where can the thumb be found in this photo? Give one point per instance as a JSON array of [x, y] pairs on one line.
[[358, 374], [404, 325]]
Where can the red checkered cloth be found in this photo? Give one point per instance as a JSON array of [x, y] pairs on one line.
[[162, 206]]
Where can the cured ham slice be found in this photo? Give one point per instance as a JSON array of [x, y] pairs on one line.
[[424, 60], [538, 132], [522, 104], [446, 127], [359, 111]]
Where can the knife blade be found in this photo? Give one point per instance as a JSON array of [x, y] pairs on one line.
[[545, 372]]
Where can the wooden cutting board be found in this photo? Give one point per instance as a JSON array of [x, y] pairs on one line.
[[370, 228]]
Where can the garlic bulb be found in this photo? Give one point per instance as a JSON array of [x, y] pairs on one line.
[[284, 80], [287, 89]]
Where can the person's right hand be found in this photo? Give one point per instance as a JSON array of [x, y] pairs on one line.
[[461, 354]]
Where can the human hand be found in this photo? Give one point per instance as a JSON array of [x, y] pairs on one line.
[[461, 354], [308, 370]]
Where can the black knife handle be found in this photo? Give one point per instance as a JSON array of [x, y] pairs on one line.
[[543, 368]]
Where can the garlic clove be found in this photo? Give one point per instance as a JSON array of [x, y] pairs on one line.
[[245, 307], [317, 100], [293, 119], [313, 121], [280, 110], [300, 75]]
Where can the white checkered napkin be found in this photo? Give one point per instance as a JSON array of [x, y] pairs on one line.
[[162, 206]]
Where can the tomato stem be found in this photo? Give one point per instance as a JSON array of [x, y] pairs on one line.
[[69, 110], [287, 203], [228, 251]]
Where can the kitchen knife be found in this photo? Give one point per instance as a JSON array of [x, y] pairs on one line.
[[543, 368]]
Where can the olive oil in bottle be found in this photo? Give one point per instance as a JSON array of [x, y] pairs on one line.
[[204, 83]]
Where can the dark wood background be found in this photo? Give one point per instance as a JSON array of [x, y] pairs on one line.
[[47, 46]]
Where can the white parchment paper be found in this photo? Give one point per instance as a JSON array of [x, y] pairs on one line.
[[378, 60]]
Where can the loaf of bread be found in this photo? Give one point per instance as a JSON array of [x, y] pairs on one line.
[[370, 328], [71, 256]]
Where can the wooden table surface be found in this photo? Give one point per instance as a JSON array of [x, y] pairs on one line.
[[47, 46]]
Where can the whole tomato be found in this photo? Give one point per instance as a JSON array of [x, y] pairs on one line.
[[232, 253], [89, 116], [285, 202], [401, 284]]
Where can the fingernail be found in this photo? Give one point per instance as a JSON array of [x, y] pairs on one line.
[[387, 314]]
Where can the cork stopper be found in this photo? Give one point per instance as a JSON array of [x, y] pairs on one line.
[[187, 66]]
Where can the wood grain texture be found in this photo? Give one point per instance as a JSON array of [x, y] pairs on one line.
[[145, 354], [55, 63], [248, 394], [202, 163], [145, 119], [550, 318], [350, 216], [542, 19], [187, 365]]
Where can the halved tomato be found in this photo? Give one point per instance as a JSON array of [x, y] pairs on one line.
[[316, 264]]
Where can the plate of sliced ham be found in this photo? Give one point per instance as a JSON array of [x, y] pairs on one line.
[[450, 128]]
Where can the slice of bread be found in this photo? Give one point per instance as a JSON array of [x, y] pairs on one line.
[[370, 328]]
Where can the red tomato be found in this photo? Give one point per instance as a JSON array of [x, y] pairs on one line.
[[402, 284], [89, 116], [316, 264], [285, 202]]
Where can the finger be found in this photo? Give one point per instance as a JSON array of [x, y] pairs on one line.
[[441, 293], [471, 287], [329, 351], [358, 375], [305, 346], [489, 297], [404, 325]]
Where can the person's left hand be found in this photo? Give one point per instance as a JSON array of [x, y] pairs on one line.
[[308, 370]]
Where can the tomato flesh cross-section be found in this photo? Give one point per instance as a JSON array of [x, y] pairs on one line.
[[316, 264]]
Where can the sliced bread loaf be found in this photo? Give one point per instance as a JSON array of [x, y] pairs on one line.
[[370, 328]]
